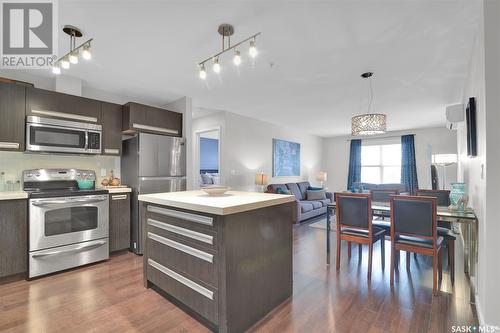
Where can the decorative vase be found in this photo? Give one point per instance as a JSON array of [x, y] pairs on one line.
[[458, 197]]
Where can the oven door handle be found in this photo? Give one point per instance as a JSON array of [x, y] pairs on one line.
[[77, 249], [66, 202]]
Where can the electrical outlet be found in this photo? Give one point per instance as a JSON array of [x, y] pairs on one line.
[[104, 172], [233, 172]]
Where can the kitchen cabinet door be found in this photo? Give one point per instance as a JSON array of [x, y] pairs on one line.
[[13, 237], [47, 103], [165, 119], [119, 221], [144, 118], [12, 110], [111, 117]]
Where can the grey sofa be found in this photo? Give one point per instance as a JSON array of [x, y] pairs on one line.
[[305, 209]]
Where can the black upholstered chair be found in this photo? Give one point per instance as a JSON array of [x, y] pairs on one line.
[[442, 196], [414, 229], [443, 229], [354, 225], [384, 195]]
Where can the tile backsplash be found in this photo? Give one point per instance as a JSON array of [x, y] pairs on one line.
[[13, 163]]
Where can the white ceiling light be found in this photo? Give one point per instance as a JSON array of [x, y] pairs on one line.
[[203, 72], [369, 123], [216, 66], [237, 58], [86, 52], [226, 31], [252, 50], [72, 57]]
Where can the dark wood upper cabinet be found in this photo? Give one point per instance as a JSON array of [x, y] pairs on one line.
[[119, 221], [12, 112], [111, 117], [13, 237], [47, 103], [144, 118]]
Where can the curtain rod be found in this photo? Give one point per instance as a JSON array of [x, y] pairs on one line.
[[380, 137]]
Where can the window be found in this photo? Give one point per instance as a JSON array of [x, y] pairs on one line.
[[381, 164]]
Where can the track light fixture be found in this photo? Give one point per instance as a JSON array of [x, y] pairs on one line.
[[72, 57], [226, 31]]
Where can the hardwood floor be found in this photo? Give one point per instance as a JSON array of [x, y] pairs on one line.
[[109, 297]]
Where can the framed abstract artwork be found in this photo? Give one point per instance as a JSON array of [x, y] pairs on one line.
[[286, 158]]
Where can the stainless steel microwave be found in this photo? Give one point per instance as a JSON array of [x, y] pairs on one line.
[[62, 136]]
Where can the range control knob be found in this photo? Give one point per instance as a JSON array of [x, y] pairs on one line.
[[37, 174]]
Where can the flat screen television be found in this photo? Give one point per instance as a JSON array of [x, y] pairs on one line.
[[470, 114]]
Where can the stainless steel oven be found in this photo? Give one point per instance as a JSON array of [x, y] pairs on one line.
[[66, 232], [55, 135]]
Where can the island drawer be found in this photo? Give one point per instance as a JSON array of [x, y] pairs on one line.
[[181, 218], [203, 238], [197, 297], [200, 265]]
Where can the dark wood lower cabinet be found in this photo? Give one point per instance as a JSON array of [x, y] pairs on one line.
[[227, 271], [13, 237], [119, 221]]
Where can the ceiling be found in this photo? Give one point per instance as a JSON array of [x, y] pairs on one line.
[[311, 55]]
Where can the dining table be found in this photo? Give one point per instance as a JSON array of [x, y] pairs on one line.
[[467, 220]]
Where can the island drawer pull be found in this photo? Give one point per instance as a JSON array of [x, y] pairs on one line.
[[182, 215], [182, 231], [9, 145], [179, 278], [181, 247]]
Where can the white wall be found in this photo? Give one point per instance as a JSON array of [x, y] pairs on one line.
[[246, 148], [482, 172], [427, 142]]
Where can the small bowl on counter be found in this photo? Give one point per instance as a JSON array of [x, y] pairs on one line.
[[215, 191]]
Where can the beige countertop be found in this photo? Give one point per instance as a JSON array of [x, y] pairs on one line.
[[230, 203], [112, 190], [11, 195]]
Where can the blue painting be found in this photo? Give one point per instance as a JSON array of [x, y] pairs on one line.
[[286, 158]]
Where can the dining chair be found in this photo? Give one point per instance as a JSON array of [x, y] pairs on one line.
[[414, 229], [354, 224], [384, 195], [443, 228]]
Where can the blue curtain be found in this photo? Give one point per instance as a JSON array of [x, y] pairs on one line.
[[408, 164], [354, 164]]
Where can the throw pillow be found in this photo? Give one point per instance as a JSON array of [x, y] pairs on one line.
[[312, 188], [206, 179], [279, 190], [316, 195]]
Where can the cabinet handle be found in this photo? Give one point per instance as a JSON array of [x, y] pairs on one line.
[[65, 115], [154, 128], [182, 231], [111, 151], [9, 145], [179, 278], [182, 215], [119, 197], [181, 247]]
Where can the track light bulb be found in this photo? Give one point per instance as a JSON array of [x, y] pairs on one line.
[[73, 57], [86, 52], [237, 58], [56, 69], [216, 66], [203, 73], [252, 50], [65, 63]]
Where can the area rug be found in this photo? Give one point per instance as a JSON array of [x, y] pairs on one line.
[[321, 224]]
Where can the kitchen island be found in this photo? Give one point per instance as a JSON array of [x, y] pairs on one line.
[[226, 260]]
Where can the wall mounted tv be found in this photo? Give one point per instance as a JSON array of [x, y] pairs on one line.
[[470, 114]]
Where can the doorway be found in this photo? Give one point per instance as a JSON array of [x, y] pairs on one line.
[[208, 157]]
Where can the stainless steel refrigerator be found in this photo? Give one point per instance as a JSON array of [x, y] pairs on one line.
[[151, 163]]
